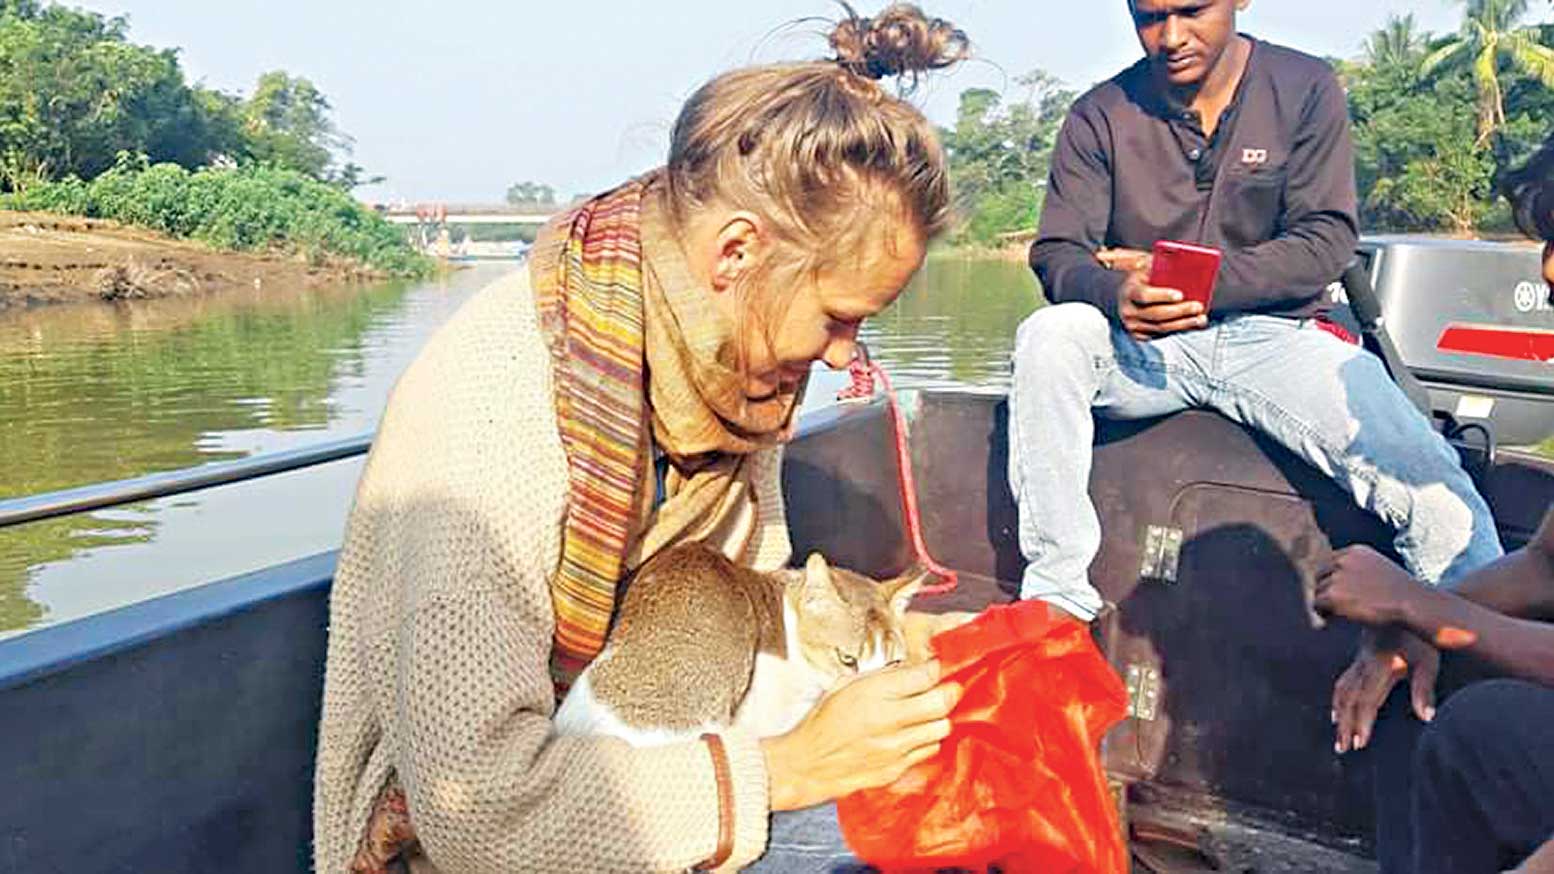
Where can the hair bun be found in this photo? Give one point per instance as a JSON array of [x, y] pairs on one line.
[[899, 41]]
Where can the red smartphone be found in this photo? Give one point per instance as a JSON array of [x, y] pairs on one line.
[[1186, 267]]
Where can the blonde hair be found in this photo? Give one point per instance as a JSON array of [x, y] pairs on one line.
[[815, 149]]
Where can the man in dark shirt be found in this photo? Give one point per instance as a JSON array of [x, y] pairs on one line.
[[1475, 790], [1221, 140]]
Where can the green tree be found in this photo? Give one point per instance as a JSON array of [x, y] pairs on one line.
[[289, 124], [531, 193], [1416, 159], [1421, 163], [1491, 39], [999, 151], [1398, 44], [257, 207], [74, 92]]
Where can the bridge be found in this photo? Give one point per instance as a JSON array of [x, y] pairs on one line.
[[468, 214], [427, 225]]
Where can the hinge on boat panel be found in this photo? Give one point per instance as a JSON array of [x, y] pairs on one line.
[[1143, 692], [1162, 550]]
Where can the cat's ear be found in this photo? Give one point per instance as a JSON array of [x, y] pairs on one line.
[[900, 591], [818, 584]]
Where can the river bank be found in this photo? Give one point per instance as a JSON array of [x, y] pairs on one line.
[[47, 258], [1016, 251]]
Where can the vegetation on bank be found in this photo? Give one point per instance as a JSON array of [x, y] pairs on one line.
[[1436, 119], [94, 125], [252, 207]]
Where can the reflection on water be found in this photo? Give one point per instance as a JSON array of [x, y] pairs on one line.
[[953, 328], [101, 392]]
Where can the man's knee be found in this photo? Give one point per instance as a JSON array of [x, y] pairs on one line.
[[1062, 328], [1475, 723]]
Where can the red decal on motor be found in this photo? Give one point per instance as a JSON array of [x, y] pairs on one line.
[[1516, 344]]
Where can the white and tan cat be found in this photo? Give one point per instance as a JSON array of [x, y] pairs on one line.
[[701, 643]]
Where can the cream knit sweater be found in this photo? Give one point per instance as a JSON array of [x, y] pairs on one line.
[[440, 634]]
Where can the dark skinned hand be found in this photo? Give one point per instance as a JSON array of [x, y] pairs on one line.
[[1361, 585], [1147, 311], [1385, 657]]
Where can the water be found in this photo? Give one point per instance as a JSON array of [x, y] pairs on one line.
[[101, 392]]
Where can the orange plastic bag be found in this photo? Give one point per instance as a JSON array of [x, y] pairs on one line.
[[1018, 785]]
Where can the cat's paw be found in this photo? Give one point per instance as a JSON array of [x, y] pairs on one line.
[[920, 628]]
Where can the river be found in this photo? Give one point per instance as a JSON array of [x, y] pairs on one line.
[[100, 392]]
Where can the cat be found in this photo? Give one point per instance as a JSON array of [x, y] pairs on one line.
[[702, 644]]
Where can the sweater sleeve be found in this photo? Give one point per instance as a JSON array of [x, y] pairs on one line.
[[1075, 216], [491, 789], [455, 535]]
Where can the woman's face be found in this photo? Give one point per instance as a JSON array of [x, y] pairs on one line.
[[821, 321], [1548, 265]]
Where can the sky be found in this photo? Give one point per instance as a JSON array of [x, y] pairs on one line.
[[453, 102]]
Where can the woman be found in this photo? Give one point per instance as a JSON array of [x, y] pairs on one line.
[[511, 487]]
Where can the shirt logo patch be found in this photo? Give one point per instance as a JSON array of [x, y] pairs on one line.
[[1254, 156]]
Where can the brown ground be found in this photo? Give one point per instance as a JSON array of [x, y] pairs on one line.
[[48, 258]]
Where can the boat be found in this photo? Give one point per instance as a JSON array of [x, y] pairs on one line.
[[177, 735]]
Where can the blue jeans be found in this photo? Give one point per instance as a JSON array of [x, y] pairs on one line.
[[1327, 401], [807, 842]]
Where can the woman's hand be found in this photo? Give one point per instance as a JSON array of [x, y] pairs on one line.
[[864, 734]]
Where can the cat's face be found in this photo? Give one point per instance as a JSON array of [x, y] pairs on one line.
[[848, 623]]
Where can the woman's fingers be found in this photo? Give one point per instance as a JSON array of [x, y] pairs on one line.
[[917, 756], [923, 734], [936, 703], [904, 681]]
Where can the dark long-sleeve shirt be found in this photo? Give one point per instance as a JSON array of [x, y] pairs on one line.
[[1273, 189]]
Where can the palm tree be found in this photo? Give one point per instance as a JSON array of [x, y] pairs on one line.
[[1490, 33], [1399, 42]]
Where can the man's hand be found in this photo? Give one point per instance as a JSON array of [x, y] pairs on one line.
[[1360, 585], [1385, 656], [1540, 862], [1146, 311], [1126, 260]]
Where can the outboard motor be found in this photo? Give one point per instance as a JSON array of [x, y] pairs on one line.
[[1467, 325]]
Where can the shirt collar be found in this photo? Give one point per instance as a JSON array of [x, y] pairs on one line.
[[1169, 105]]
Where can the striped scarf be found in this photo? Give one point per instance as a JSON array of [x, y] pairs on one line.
[[608, 311], [587, 272]]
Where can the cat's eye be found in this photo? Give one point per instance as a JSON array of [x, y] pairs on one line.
[[848, 661]]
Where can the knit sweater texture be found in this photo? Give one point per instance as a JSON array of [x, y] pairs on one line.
[[440, 634]]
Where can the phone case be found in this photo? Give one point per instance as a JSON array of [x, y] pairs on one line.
[[1186, 267]]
